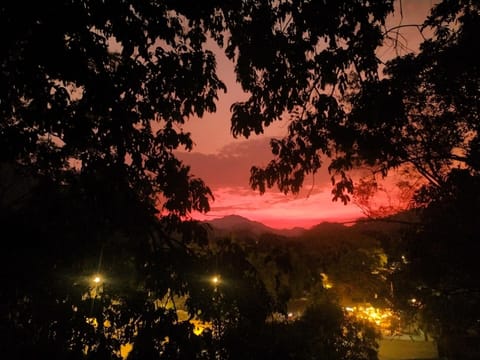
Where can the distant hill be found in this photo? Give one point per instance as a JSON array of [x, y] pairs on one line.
[[365, 233], [239, 224], [327, 232]]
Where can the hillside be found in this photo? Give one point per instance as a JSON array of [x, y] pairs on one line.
[[363, 234], [236, 225]]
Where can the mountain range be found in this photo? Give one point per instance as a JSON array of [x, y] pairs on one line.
[[361, 233], [237, 223]]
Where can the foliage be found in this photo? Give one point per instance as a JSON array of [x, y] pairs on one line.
[[100, 88], [323, 332], [437, 132], [93, 96], [440, 261], [421, 113], [57, 240]]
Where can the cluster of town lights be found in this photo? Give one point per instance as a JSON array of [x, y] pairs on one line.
[[382, 318]]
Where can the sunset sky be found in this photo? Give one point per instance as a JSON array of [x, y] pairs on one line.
[[224, 163]]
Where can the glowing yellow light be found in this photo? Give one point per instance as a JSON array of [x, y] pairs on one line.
[[198, 331], [327, 284], [199, 326], [125, 350], [92, 321], [216, 280], [97, 279], [382, 318]]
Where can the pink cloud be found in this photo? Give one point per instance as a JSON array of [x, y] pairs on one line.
[[231, 165], [227, 174]]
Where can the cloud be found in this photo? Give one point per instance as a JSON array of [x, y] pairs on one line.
[[230, 167], [227, 174]]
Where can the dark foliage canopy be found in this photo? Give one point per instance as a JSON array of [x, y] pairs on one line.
[[104, 85], [421, 113], [93, 96]]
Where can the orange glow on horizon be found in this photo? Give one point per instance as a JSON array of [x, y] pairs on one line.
[[306, 223], [280, 211]]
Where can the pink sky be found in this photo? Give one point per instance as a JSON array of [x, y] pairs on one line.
[[224, 163], [227, 173]]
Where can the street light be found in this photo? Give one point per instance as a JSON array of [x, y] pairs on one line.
[[96, 283], [215, 280]]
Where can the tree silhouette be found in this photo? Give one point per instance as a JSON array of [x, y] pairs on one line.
[[421, 114], [436, 132], [436, 263], [93, 96]]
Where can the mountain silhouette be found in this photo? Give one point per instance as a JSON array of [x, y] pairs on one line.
[[361, 234], [239, 224]]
